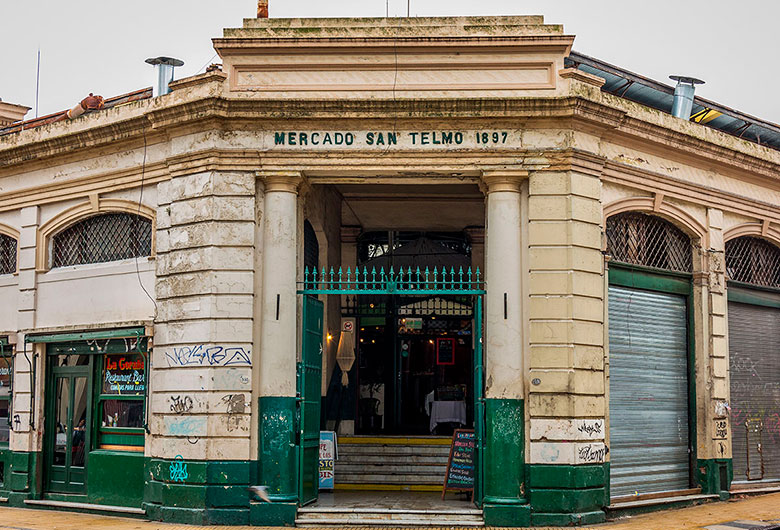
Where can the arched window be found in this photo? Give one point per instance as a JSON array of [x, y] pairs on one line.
[[311, 247], [753, 260], [640, 239], [7, 254], [102, 238]]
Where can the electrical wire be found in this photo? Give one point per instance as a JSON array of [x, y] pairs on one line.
[[137, 225]]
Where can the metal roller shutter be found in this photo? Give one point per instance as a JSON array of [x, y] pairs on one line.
[[648, 385], [754, 368]]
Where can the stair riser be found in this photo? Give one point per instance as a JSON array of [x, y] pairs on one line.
[[384, 459], [387, 469], [435, 480], [395, 523], [435, 450]]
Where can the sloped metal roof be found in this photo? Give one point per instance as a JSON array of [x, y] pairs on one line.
[[660, 96]]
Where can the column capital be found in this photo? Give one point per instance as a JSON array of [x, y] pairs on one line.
[[476, 234], [507, 179], [289, 181], [350, 234]]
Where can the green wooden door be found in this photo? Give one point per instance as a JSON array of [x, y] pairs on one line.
[[68, 420], [309, 390], [479, 403]]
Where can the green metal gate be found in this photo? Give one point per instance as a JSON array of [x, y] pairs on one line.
[[309, 383], [404, 281]]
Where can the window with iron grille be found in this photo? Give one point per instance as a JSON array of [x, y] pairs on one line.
[[640, 239], [102, 238], [7, 254], [753, 260]]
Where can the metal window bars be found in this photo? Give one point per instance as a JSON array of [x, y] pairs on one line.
[[102, 238], [401, 281], [646, 240], [754, 261], [7, 254]]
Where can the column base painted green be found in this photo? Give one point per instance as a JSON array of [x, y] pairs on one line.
[[715, 476], [567, 494], [198, 492], [277, 466], [504, 473], [277, 451], [273, 513]]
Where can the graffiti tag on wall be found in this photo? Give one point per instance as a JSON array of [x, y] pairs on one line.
[[178, 470], [202, 355]]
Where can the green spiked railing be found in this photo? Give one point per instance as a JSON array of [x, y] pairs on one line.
[[401, 281]]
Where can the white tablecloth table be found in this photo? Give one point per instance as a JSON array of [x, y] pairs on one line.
[[447, 412]]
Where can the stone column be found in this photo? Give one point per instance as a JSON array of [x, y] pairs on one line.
[[278, 351], [567, 472], [505, 503], [26, 465], [201, 370], [712, 360]]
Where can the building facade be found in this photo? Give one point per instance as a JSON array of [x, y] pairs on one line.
[[356, 219]]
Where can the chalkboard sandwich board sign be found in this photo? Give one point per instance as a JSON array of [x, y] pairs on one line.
[[460, 466]]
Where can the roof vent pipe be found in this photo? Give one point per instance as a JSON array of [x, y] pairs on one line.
[[164, 67], [683, 95]]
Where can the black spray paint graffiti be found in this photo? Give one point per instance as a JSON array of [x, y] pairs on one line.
[[591, 453], [17, 422], [181, 405], [236, 404], [209, 356], [590, 428]]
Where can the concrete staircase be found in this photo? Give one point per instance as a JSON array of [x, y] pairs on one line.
[[350, 516], [391, 463]]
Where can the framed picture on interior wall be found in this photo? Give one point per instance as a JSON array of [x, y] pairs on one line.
[[445, 351]]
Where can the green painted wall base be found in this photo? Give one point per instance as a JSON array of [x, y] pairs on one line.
[[507, 515], [198, 492], [715, 475], [19, 481], [568, 495], [115, 478], [272, 514]]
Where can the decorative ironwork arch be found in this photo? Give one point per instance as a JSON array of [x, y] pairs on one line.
[[754, 261], [403, 281], [640, 239]]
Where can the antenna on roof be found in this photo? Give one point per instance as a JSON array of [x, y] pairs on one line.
[[37, 81]]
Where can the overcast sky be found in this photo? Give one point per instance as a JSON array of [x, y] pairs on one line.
[[100, 46]]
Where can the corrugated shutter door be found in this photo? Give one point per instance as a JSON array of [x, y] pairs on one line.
[[754, 368], [648, 392]]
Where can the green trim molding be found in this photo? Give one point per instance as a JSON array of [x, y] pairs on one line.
[[504, 474], [563, 495], [277, 466], [198, 492]]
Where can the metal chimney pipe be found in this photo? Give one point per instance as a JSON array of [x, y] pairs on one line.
[[683, 95], [164, 67]]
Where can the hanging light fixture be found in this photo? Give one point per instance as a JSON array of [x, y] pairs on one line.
[[345, 355]]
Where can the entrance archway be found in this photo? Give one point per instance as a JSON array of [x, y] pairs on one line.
[[403, 283]]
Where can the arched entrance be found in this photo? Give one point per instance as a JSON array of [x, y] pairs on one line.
[[649, 356]]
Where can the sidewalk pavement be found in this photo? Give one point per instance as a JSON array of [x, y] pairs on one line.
[[742, 513]]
